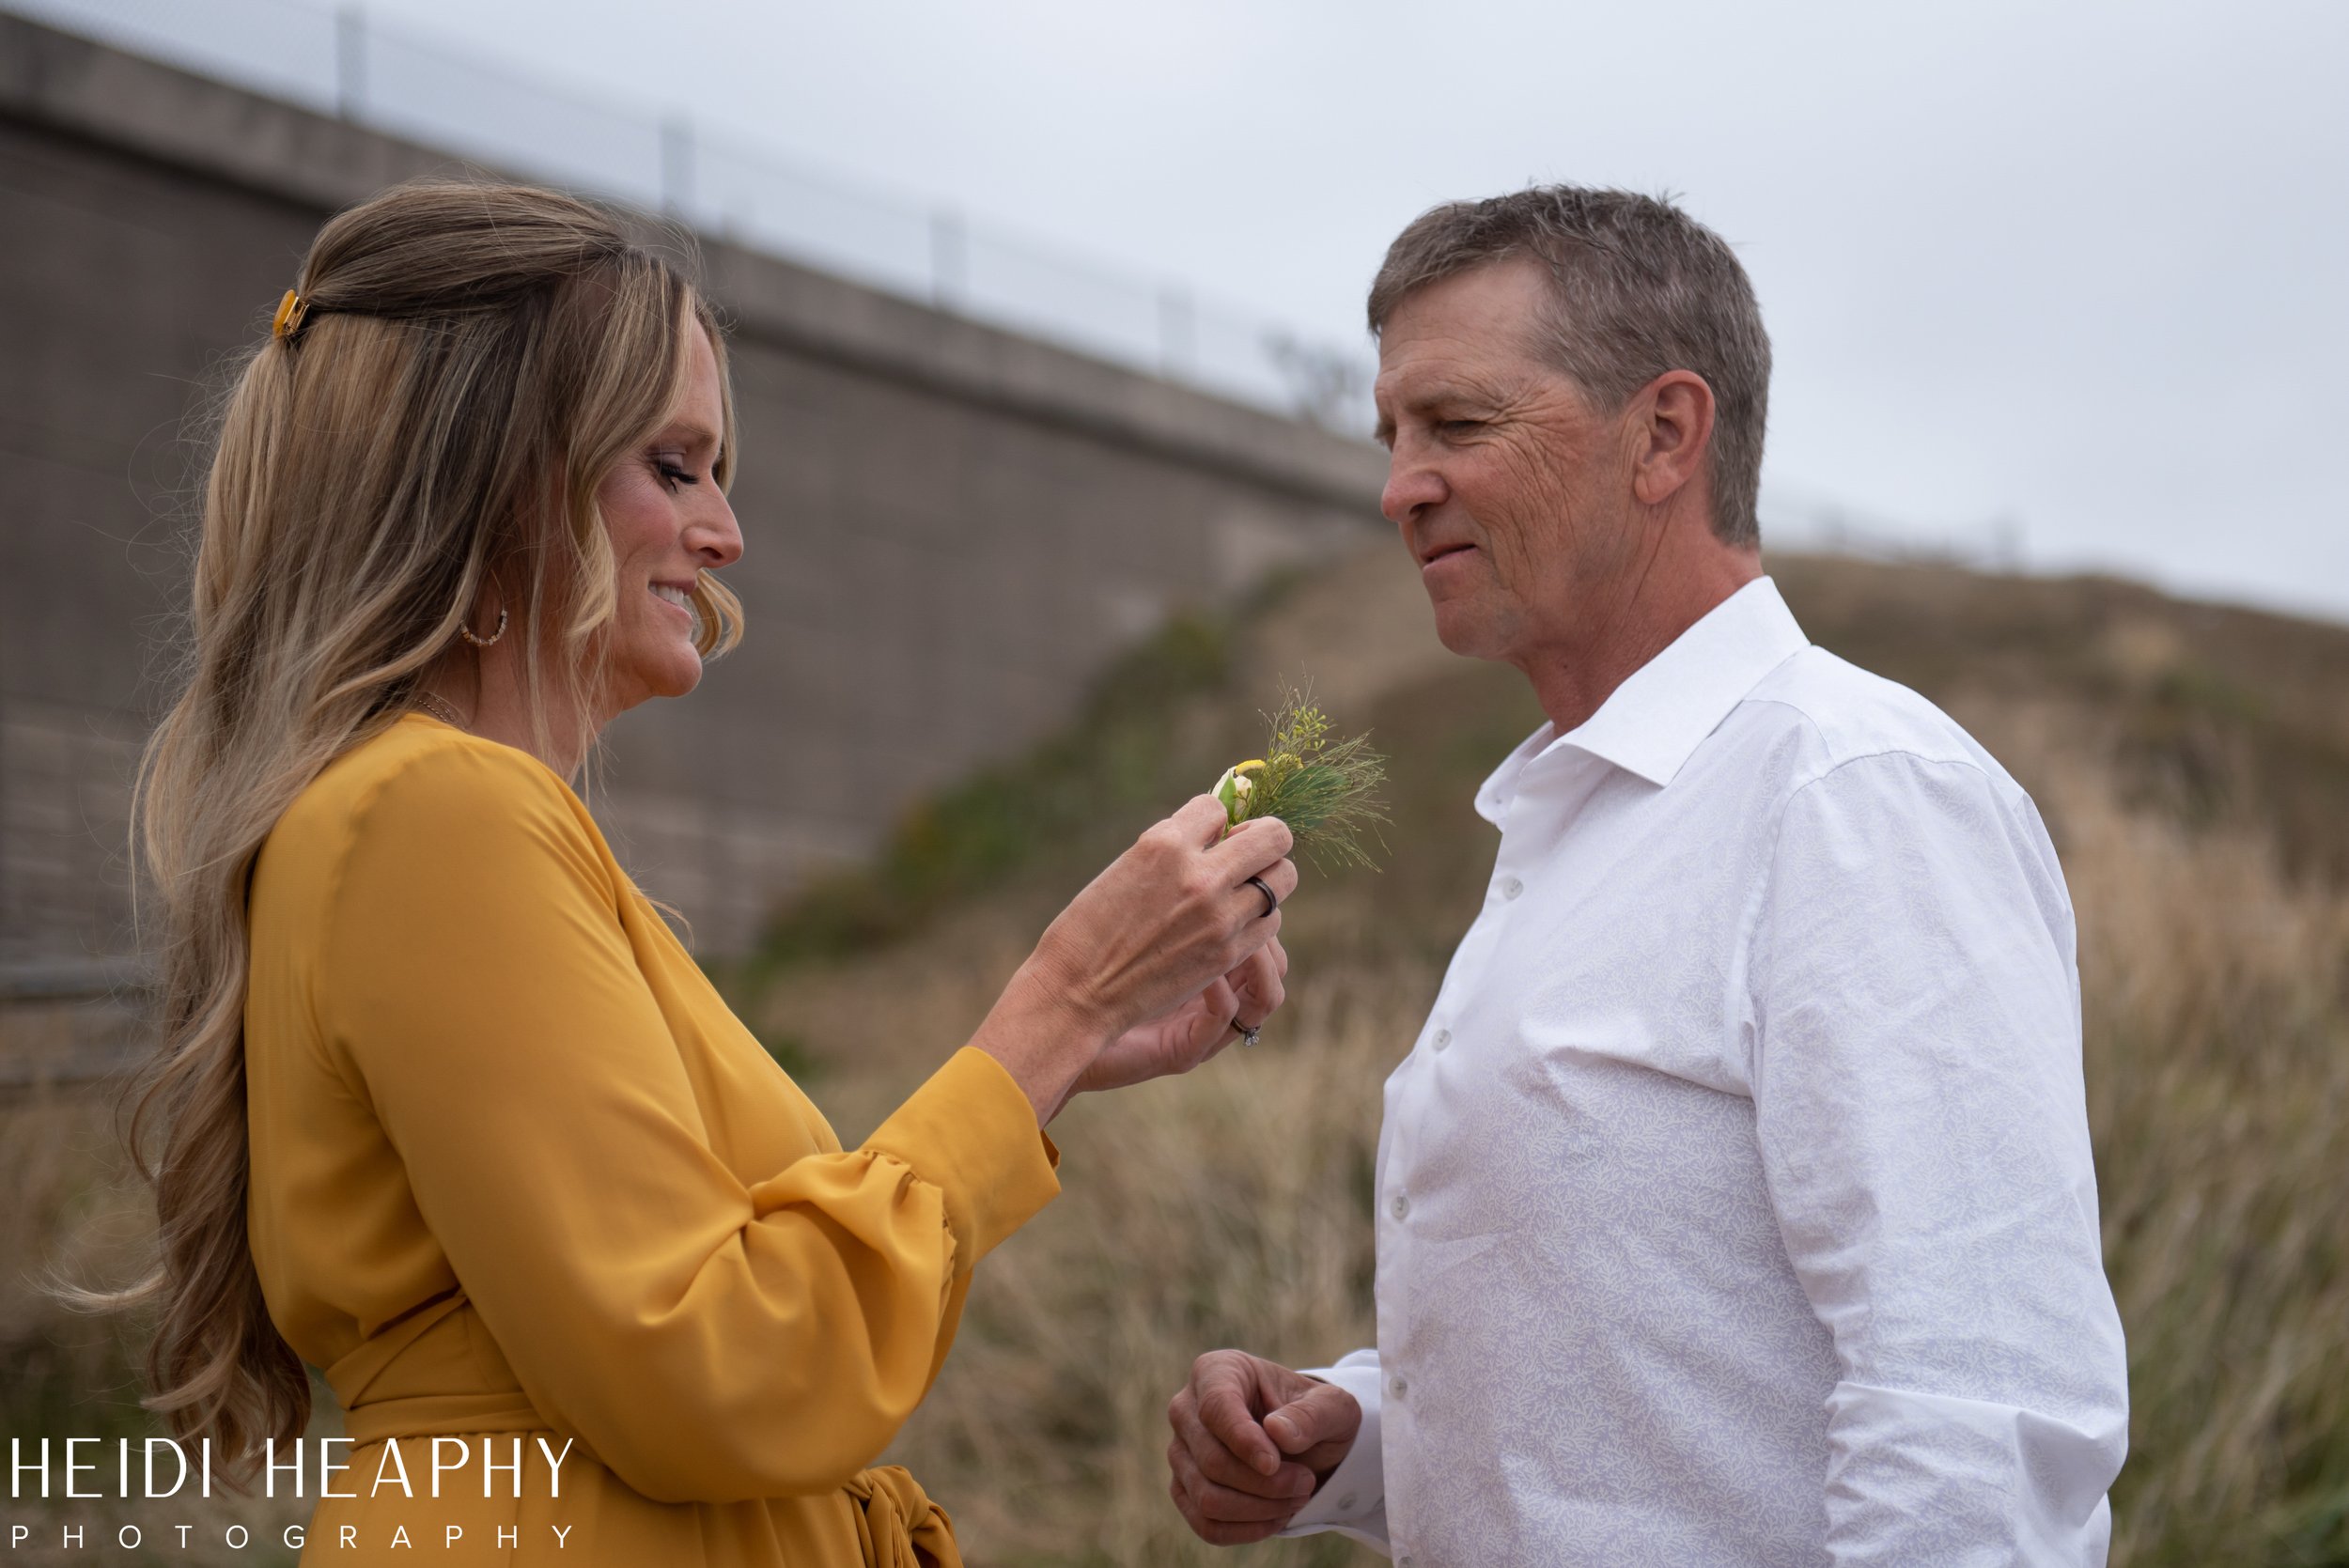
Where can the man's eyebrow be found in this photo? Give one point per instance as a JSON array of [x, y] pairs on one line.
[[1434, 399], [1471, 394]]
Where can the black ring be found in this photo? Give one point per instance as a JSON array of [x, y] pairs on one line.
[[1271, 903]]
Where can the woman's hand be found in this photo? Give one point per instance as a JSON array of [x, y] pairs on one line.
[[1179, 1040], [1169, 919]]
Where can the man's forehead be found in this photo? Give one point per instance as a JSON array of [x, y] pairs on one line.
[[1432, 375], [1488, 300], [1486, 316]]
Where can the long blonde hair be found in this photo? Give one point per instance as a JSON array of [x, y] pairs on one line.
[[474, 361]]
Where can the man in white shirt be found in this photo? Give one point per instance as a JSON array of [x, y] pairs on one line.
[[1734, 1204]]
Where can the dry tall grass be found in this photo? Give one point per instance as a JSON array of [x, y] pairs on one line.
[[1227, 1208], [1232, 1207], [2218, 1043]]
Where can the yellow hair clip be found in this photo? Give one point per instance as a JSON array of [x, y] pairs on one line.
[[291, 310]]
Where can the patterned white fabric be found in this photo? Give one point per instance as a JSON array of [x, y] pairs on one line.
[[1735, 1205]]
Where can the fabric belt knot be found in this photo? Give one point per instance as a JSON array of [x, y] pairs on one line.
[[896, 1523]]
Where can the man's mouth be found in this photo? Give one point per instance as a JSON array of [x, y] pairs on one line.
[[1442, 550]]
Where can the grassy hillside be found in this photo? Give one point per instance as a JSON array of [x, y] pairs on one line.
[[2192, 763]]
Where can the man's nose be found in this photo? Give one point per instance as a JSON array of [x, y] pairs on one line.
[[1410, 488]]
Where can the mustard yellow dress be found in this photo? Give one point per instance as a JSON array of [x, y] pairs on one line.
[[521, 1178]]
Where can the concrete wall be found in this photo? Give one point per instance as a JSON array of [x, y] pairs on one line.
[[948, 527]]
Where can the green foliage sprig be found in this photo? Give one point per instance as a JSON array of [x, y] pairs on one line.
[[1323, 788]]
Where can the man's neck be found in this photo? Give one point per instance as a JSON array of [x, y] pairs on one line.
[[1667, 597]]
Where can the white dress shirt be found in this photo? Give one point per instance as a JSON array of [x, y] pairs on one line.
[[1735, 1205]]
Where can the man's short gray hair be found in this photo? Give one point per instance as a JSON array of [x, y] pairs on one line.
[[1637, 287]]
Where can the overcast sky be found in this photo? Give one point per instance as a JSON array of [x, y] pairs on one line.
[[2078, 268]]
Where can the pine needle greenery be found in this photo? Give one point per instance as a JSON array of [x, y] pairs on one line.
[[1323, 788]]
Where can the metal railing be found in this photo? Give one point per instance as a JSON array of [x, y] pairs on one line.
[[343, 62]]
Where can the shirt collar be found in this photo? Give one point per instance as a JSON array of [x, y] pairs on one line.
[[1653, 722]]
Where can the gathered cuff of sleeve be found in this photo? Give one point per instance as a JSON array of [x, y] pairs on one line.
[[970, 1130]]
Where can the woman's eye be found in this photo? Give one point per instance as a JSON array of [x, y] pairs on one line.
[[674, 475]]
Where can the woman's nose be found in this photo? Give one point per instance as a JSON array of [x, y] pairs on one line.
[[716, 539]]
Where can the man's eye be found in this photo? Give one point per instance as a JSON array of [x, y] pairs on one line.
[[1460, 427]]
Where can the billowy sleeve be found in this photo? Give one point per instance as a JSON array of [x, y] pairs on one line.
[[709, 1340], [1914, 1047]]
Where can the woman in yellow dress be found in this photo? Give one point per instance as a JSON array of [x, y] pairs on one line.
[[444, 1108]]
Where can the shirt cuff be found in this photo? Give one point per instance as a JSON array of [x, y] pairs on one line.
[[1354, 1500], [971, 1131]]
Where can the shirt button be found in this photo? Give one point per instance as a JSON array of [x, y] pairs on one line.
[[1443, 1038], [1345, 1502], [1397, 1385], [1400, 1207], [1511, 887]]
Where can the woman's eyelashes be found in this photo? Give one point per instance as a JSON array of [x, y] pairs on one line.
[[672, 470]]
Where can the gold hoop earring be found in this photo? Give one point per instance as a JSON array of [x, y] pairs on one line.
[[466, 632]]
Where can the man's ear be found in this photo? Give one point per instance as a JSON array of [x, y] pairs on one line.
[[1671, 433]]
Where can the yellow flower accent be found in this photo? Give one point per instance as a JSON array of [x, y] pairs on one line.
[[1321, 787]]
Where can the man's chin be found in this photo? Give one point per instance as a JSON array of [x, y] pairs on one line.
[[1459, 629]]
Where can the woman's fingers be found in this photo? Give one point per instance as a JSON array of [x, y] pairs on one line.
[[1281, 876], [1160, 924], [1218, 1005], [1202, 820], [1251, 846], [1257, 982]]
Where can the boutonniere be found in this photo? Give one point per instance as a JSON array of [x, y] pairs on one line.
[[1321, 787]]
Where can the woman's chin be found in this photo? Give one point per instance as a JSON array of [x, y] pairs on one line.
[[673, 674], [680, 678]]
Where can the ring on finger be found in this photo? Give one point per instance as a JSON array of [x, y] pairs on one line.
[[1271, 900], [1248, 1031]]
